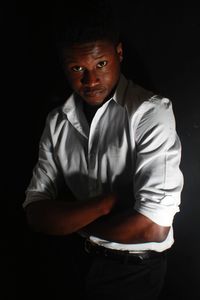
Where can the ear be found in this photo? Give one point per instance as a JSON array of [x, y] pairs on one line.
[[120, 51]]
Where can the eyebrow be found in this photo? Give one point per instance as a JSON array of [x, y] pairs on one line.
[[100, 56]]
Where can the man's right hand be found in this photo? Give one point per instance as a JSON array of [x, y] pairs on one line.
[[108, 202]]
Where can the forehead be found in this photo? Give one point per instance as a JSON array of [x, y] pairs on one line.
[[92, 50]]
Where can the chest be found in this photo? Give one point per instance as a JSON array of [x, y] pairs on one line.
[[101, 160]]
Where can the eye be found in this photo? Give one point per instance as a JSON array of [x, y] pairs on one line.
[[77, 69], [102, 64]]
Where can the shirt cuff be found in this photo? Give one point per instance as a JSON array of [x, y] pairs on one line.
[[161, 212], [32, 197]]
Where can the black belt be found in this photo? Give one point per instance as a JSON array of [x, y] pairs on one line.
[[122, 255]]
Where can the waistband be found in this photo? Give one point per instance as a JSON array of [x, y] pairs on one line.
[[123, 255]]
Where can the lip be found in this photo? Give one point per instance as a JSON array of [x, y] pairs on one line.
[[93, 93]]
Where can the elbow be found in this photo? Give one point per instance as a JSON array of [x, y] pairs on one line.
[[157, 233]]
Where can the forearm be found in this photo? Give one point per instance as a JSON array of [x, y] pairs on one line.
[[127, 227], [62, 218]]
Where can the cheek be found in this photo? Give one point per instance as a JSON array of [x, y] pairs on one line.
[[111, 76], [107, 79], [74, 80]]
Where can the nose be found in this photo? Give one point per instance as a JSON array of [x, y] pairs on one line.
[[90, 78]]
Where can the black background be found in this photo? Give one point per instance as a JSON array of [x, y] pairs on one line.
[[161, 52]]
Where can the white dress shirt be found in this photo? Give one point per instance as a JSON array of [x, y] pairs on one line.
[[131, 147]]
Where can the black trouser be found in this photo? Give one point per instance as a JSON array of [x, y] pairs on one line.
[[110, 278]]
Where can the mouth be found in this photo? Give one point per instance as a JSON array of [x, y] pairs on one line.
[[93, 92]]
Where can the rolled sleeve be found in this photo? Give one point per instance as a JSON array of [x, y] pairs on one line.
[[158, 179], [43, 184]]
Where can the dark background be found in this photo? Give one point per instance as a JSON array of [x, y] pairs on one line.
[[161, 52]]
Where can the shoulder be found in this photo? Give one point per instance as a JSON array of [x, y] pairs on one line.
[[57, 115], [155, 120], [141, 101], [157, 108], [156, 105], [135, 96]]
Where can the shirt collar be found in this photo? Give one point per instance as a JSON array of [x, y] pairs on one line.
[[72, 108]]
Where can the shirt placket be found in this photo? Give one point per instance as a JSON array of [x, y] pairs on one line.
[[93, 141], [94, 150]]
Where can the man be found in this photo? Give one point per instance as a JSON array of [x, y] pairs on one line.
[[108, 167]]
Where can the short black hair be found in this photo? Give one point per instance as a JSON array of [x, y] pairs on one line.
[[85, 22]]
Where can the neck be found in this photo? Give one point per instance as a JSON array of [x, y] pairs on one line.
[[89, 111]]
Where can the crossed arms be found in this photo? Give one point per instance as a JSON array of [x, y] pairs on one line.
[[97, 217]]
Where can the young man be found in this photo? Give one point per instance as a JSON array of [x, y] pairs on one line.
[[114, 146]]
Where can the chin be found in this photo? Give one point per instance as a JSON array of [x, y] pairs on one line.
[[94, 100]]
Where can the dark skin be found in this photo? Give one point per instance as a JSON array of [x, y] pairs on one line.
[[93, 71]]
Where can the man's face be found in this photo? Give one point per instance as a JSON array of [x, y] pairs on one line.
[[93, 69]]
